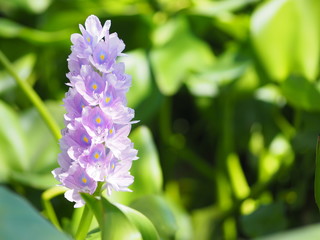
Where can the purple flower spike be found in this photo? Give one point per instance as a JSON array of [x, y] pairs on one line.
[[95, 146]]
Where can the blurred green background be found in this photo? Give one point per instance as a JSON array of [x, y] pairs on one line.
[[228, 97]]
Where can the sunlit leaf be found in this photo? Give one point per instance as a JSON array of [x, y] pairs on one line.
[[13, 147], [157, 209], [120, 222], [226, 69], [137, 66], [43, 147], [285, 34], [146, 170], [177, 53], [142, 223], [19, 220]]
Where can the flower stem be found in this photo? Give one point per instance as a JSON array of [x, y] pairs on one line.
[[33, 97], [85, 223], [87, 216], [49, 211]]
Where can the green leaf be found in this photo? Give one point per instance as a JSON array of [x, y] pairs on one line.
[[13, 147], [28, 150], [137, 66], [226, 69], [142, 223], [285, 34], [317, 174], [19, 220], [146, 170], [177, 53], [43, 147], [157, 209], [306, 98], [120, 222]]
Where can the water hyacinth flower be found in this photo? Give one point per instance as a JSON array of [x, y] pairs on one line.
[[95, 147]]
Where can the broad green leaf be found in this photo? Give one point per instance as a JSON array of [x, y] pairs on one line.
[[285, 34], [301, 93], [23, 67], [120, 222], [266, 219], [157, 209], [137, 66], [272, 27], [19, 220], [310, 232], [317, 174], [226, 69], [235, 25], [13, 147], [43, 147], [146, 170], [177, 53], [308, 38], [142, 223]]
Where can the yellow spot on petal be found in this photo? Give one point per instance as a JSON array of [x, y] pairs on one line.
[[94, 86], [102, 57], [112, 166], [108, 99], [88, 39], [110, 131], [82, 106], [85, 139], [96, 156], [84, 180], [98, 120]]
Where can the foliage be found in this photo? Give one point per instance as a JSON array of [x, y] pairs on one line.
[[227, 94]]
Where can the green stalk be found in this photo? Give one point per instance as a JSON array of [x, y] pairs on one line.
[[87, 217], [85, 223], [33, 97], [49, 211]]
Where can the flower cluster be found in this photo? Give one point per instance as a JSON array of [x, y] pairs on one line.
[[95, 146]]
